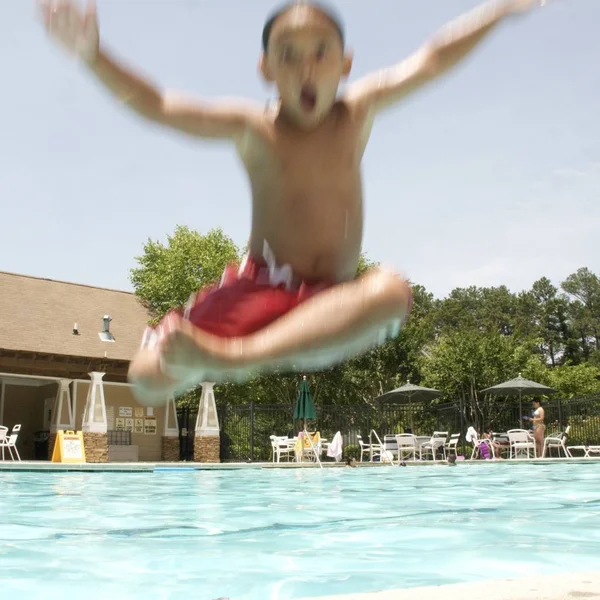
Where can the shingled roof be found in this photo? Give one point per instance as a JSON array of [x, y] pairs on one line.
[[37, 315]]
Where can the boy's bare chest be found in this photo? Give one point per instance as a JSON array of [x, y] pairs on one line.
[[325, 157]]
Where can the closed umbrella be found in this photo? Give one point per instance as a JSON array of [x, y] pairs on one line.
[[305, 407], [305, 410]]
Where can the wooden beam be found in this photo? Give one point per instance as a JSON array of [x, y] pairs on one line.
[[60, 366]]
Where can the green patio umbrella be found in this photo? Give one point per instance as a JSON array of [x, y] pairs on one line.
[[305, 407]]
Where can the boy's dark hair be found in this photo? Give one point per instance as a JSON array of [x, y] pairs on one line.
[[325, 10]]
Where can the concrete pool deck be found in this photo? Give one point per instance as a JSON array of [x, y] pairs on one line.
[[151, 467], [569, 586]]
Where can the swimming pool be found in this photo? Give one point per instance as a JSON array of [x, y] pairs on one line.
[[266, 534]]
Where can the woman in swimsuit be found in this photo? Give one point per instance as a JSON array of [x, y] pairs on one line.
[[539, 427]]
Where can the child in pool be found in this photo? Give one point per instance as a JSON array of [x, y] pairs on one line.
[[295, 302]]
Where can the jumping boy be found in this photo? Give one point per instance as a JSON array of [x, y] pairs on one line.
[[295, 302]]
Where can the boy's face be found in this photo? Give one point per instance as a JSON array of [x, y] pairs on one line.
[[306, 61]]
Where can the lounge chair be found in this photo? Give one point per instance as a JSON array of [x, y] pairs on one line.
[[473, 437]]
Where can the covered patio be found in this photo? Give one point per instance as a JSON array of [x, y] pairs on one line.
[[64, 354]]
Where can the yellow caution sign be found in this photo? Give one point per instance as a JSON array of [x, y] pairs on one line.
[[69, 447]]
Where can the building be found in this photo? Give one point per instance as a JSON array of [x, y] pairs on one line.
[[64, 355]]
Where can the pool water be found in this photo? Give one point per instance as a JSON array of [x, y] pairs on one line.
[[283, 534]]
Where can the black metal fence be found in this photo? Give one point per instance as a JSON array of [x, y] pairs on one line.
[[245, 429]]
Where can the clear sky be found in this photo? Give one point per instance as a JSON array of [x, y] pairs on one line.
[[490, 176]]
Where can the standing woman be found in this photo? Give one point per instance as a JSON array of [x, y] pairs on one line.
[[539, 427]]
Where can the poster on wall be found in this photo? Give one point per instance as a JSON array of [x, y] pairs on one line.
[[125, 411], [150, 426], [138, 426], [139, 412], [128, 424], [120, 424]]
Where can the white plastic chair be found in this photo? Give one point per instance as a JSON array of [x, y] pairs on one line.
[[521, 441], [452, 445], [438, 440], [364, 447], [558, 441], [390, 448], [11, 442], [407, 446], [3, 437], [282, 446]]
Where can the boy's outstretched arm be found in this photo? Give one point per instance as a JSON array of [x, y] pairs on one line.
[[77, 31], [446, 48]]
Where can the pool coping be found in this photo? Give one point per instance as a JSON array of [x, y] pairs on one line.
[[566, 586], [154, 467]]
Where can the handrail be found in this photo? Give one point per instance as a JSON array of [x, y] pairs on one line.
[[383, 450], [312, 448]]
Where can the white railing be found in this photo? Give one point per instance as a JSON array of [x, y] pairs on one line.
[[312, 447], [383, 453]]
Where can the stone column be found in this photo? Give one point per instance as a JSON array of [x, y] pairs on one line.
[[95, 426], [63, 417], [170, 440], [207, 442]]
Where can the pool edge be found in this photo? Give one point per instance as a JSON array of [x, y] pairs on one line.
[[150, 467], [566, 586]]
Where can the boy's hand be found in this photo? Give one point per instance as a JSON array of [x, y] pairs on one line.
[[74, 29]]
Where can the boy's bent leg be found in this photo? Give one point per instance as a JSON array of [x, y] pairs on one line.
[[151, 385], [346, 319]]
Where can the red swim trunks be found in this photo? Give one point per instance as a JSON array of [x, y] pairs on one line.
[[248, 298]]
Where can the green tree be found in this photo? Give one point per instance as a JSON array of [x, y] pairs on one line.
[[584, 287], [550, 317], [481, 309], [169, 273], [463, 363]]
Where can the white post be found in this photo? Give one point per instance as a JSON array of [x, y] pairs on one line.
[[2, 395], [75, 384], [207, 422], [94, 416], [171, 424], [62, 415]]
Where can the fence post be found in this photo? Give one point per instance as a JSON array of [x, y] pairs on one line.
[[560, 421], [252, 430], [461, 417]]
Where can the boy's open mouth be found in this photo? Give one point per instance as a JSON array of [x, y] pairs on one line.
[[308, 98]]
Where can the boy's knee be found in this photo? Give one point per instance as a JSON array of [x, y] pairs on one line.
[[391, 293]]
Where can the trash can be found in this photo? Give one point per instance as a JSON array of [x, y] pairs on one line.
[[40, 445]]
